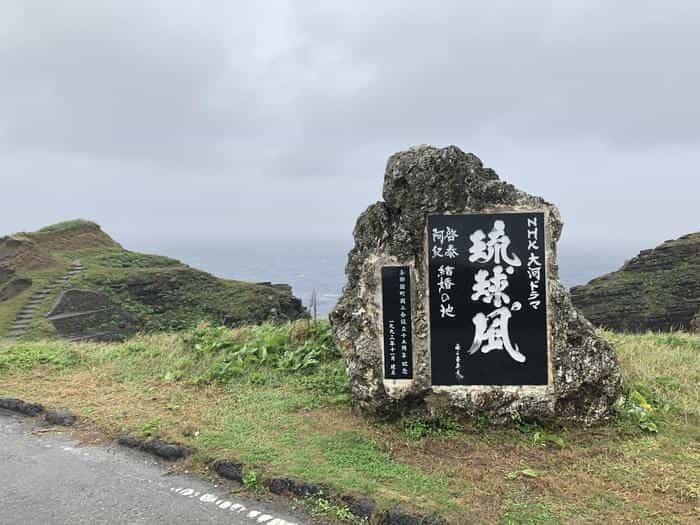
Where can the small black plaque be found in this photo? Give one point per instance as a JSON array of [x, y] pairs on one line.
[[488, 299], [396, 312]]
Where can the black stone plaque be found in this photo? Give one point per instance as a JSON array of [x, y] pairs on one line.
[[396, 312], [488, 299]]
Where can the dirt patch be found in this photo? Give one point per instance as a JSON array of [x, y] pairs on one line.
[[170, 410]]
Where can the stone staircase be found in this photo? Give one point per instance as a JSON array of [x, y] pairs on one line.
[[31, 308]]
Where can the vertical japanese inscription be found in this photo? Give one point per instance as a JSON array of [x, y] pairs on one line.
[[488, 300], [396, 312]]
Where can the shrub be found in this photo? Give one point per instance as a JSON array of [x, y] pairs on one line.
[[298, 347]]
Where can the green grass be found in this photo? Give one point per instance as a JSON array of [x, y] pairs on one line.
[[66, 226], [276, 398]]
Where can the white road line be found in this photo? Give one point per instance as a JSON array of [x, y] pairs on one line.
[[253, 515]]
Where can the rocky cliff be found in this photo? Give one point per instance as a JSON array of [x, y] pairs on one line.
[[73, 280], [657, 290]]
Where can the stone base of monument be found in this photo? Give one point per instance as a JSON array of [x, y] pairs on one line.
[[453, 302]]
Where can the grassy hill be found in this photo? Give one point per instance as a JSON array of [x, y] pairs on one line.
[[159, 292]]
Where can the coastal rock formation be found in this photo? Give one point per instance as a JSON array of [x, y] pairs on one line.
[[585, 376], [105, 289], [657, 290]]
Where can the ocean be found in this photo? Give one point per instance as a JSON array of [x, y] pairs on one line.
[[320, 265]]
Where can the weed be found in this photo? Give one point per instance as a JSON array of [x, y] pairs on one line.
[[25, 356], [642, 407], [540, 437], [526, 472], [150, 429], [322, 507], [266, 346], [250, 479], [440, 426], [528, 513]]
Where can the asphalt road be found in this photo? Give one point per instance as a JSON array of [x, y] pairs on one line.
[[50, 478]]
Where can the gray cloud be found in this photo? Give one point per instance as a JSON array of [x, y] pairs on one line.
[[228, 118]]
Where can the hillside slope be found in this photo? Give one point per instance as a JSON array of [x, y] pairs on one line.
[[657, 290], [91, 286]]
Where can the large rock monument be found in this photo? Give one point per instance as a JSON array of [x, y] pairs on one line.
[[453, 302]]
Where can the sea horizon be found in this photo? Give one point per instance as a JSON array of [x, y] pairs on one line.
[[319, 265]]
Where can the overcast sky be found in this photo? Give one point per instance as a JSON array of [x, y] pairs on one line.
[[275, 119]]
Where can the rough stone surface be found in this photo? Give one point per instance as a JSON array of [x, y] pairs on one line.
[[229, 469], [169, 451], [658, 290], [360, 507], [14, 288], [89, 315], [60, 418], [128, 441], [424, 180], [279, 486], [695, 324], [17, 405], [286, 486]]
